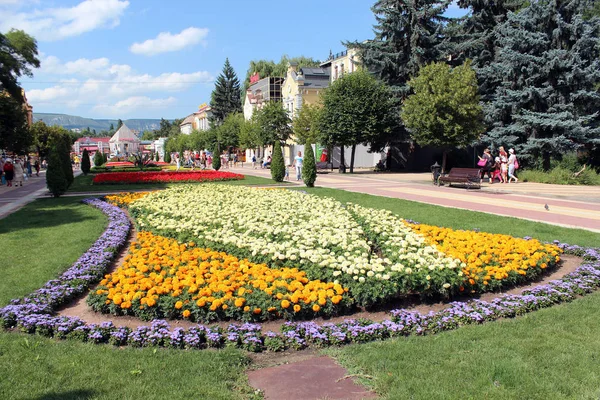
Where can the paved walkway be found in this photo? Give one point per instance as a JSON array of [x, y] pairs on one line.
[[13, 198], [569, 206]]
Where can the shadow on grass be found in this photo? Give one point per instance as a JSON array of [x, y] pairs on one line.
[[68, 395], [45, 213]]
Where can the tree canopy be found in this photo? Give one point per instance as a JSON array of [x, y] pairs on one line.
[[444, 110], [265, 68], [306, 124], [18, 55], [226, 97], [273, 124]]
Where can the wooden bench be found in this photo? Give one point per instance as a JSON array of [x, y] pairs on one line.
[[469, 177]]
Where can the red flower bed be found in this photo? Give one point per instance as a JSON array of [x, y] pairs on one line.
[[164, 177]]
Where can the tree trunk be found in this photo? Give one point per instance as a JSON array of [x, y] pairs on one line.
[[444, 157], [342, 161], [352, 159]]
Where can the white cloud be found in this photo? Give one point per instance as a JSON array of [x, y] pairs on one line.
[[133, 104], [108, 87], [58, 23], [166, 41]]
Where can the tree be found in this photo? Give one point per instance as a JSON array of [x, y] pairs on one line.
[[266, 68], [63, 144], [119, 124], [216, 160], [226, 97], [548, 65], [273, 124], [249, 134], [98, 159], [15, 135], [18, 54], [309, 166], [444, 110], [358, 109], [85, 162], [306, 124], [111, 130], [228, 134], [55, 175], [156, 157], [168, 157], [408, 34], [277, 163]]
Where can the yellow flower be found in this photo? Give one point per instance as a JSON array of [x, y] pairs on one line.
[[186, 313]]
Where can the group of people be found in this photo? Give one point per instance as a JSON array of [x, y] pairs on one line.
[[14, 172], [501, 167]]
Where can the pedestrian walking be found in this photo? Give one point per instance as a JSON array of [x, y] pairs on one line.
[[513, 164], [298, 164], [18, 172], [29, 167], [36, 165]]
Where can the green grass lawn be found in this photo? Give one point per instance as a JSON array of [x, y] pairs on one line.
[[83, 183], [549, 354], [463, 219], [40, 241]]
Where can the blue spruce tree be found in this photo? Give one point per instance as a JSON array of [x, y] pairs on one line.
[[548, 66]]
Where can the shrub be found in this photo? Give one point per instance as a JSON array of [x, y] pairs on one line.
[[63, 147], [85, 162], [216, 161], [168, 157], [309, 166], [277, 163], [98, 159], [55, 175], [156, 157], [561, 176]]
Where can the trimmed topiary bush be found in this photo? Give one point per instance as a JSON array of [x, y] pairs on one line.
[[85, 162], [63, 146], [216, 161], [168, 157], [98, 159], [309, 166], [55, 174], [156, 157], [277, 163]]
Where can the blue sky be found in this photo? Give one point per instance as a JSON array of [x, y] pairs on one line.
[[156, 58]]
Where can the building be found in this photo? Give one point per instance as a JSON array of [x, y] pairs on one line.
[[341, 63], [303, 86], [199, 120], [92, 145], [260, 92], [124, 142]]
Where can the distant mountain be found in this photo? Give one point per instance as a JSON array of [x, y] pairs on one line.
[[74, 122]]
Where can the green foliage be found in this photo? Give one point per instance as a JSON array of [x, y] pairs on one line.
[[408, 35], [216, 160], [226, 97], [63, 144], [18, 54], [358, 108], [560, 176], [277, 163], [306, 124], [249, 134], [444, 110], [547, 67], [98, 159], [14, 134], [85, 162], [56, 179], [156, 157], [273, 124], [309, 167], [167, 157], [268, 68]]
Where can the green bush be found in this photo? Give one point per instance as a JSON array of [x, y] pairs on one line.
[[85, 162], [156, 157], [309, 166], [63, 146], [277, 163], [216, 161], [55, 174], [98, 159], [561, 176], [168, 157]]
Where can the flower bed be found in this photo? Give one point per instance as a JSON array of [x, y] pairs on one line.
[[373, 253], [164, 177], [123, 199], [161, 278], [34, 313]]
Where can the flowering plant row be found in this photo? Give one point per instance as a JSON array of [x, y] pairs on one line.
[[161, 278], [373, 253], [123, 199], [34, 313], [164, 177]]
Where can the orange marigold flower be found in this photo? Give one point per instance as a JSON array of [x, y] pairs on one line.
[[186, 313]]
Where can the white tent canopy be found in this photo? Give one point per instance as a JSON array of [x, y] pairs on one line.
[[124, 142]]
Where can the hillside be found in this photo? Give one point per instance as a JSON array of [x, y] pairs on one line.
[[73, 122]]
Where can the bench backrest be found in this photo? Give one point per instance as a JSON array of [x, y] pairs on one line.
[[464, 172]]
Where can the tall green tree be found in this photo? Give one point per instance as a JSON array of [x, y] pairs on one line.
[[548, 65], [306, 124], [408, 35], [273, 124], [15, 135], [55, 174], [444, 110], [119, 124], [358, 109], [277, 163], [309, 166], [250, 134], [226, 97], [85, 162], [18, 55]]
